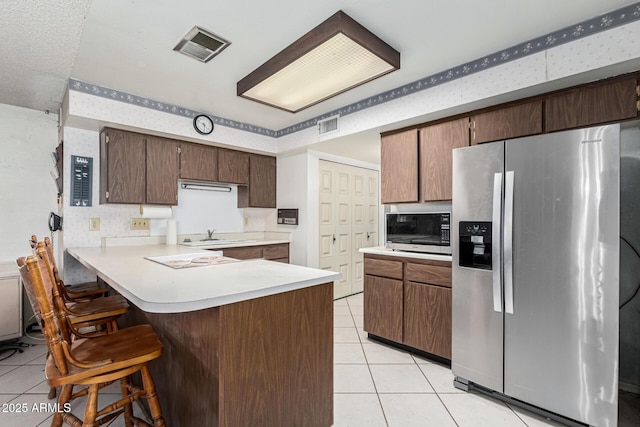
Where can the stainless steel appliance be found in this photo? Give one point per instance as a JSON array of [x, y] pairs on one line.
[[419, 232], [536, 271]]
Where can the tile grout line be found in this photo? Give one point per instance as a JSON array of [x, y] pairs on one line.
[[436, 393], [375, 387]]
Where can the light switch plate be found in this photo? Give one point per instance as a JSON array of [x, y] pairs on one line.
[[94, 224]]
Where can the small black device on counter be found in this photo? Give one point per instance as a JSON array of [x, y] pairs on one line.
[[419, 232], [475, 244]]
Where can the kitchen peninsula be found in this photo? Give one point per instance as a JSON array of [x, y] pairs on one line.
[[245, 343]]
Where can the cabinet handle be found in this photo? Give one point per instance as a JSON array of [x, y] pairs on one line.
[[334, 238]]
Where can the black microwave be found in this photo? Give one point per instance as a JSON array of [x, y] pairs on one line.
[[419, 232]]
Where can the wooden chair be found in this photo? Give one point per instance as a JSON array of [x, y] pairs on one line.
[[94, 361], [103, 310], [79, 292]]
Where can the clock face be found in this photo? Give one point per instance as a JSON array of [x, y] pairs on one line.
[[203, 124]]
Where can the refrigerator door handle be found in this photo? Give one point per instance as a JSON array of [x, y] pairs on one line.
[[496, 256], [508, 242]]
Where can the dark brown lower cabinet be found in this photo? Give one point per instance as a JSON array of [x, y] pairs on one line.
[[383, 307], [277, 252], [427, 318], [408, 301]]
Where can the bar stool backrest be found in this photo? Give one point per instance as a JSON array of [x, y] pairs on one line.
[[34, 271]]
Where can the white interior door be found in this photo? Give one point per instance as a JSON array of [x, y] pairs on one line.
[[348, 221]]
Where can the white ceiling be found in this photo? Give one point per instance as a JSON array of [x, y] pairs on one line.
[[128, 45]]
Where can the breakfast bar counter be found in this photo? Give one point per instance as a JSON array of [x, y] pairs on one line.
[[245, 343]]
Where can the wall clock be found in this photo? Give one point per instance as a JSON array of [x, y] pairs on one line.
[[203, 124]]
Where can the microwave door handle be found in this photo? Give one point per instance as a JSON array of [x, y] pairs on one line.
[[495, 247]]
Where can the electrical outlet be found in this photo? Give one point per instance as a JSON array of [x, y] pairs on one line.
[[94, 224], [246, 221], [139, 224]]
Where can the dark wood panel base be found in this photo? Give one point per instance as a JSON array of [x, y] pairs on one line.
[[413, 350], [266, 361]]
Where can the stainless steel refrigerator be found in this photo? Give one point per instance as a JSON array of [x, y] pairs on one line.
[[535, 236]]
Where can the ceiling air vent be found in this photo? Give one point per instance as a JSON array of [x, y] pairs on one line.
[[328, 125], [201, 44]]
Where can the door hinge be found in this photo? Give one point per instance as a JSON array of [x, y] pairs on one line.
[[106, 194]]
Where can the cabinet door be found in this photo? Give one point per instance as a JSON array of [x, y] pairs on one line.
[[592, 105], [249, 252], [505, 123], [275, 252], [261, 191], [162, 171], [198, 162], [427, 318], [436, 157], [233, 167], [383, 307], [399, 167], [122, 167]]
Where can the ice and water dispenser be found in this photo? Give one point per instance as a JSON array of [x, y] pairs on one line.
[[475, 244]]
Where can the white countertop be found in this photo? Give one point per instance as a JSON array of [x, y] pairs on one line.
[[382, 250], [156, 288]]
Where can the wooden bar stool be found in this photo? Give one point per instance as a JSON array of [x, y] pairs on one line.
[[79, 292], [104, 309], [91, 362]]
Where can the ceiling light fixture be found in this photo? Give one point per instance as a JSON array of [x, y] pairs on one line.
[[337, 55], [205, 186]]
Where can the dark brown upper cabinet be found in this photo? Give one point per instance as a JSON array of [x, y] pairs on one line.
[[585, 106], [233, 167], [198, 162], [261, 191], [137, 168], [506, 123], [399, 167], [122, 167], [162, 171], [436, 157]]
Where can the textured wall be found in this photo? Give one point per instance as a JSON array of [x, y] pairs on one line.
[[27, 191]]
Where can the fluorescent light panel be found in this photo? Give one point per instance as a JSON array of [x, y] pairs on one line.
[[336, 56]]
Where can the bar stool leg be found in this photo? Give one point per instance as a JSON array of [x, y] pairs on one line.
[[128, 410], [63, 397], [152, 397], [91, 409]]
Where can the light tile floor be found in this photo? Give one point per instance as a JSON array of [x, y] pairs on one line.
[[22, 386], [374, 385], [379, 385]]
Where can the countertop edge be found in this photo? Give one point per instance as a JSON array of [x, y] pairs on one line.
[[381, 250], [194, 305]]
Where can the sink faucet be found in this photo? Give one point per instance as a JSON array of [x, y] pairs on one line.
[[210, 233]]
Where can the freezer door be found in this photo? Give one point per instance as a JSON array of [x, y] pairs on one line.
[[477, 305], [561, 340]]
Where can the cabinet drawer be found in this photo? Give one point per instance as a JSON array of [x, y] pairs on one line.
[[432, 274], [384, 268], [276, 251], [250, 252]]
